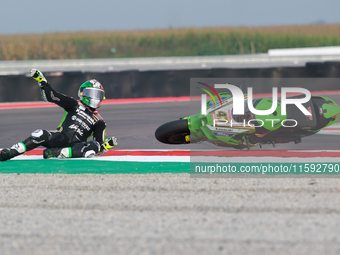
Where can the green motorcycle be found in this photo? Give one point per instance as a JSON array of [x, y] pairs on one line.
[[221, 127]]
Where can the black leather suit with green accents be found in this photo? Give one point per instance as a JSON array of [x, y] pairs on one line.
[[78, 124]]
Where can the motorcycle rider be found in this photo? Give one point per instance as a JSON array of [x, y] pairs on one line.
[[81, 120]]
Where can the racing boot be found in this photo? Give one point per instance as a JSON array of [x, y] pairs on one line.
[[60, 153], [5, 154], [14, 151]]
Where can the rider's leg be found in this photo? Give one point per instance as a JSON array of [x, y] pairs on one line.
[[37, 138], [79, 150]]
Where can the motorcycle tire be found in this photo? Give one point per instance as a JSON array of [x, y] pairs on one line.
[[173, 132]]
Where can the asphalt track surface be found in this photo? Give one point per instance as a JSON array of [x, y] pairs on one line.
[[161, 213], [133, 124]]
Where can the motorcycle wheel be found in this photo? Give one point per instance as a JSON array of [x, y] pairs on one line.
[[173, 132]]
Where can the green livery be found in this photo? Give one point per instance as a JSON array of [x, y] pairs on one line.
[[221, 127]]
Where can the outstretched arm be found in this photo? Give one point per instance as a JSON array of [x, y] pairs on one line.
[[49, 94]]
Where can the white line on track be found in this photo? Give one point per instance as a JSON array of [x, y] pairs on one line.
[[199, 159], [119, 158]]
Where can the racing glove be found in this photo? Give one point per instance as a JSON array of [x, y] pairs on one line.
[[108, 144], [38, 76]]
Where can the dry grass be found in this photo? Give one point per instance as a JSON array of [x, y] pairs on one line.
[[165, 42]]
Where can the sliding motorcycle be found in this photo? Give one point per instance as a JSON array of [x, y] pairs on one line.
[[222, 127]]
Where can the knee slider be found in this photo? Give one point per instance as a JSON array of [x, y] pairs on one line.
[[91, 146], [90, 149], [89, 154], [40, 136], [19, 147], [86, 150]]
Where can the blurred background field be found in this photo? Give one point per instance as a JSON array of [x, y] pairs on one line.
[[166, 42]]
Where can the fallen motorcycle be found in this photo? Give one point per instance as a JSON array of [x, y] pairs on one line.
[[221, 127]]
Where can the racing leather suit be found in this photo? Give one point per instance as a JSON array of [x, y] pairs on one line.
[[78, 124], [79, 121]]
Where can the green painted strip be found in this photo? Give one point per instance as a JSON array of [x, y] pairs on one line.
[[91, 167]]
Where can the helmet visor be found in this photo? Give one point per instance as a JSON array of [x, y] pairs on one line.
[[94, 93]]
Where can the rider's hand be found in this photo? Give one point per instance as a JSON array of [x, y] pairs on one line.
[[109, 143], [38, 76]]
